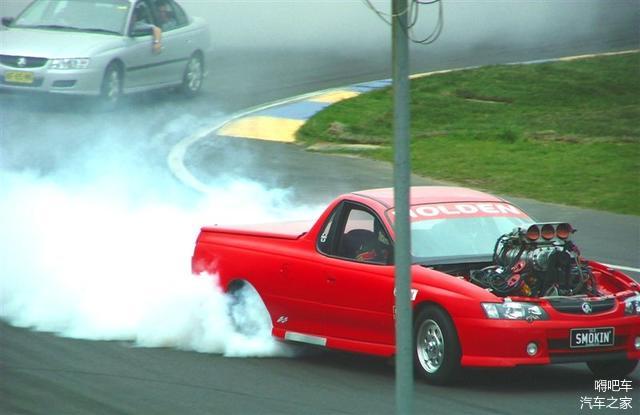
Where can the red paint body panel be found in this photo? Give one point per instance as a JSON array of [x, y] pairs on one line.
[[349, 305], [282, 230]]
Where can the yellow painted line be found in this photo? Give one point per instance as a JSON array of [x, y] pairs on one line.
[[176, 156], [263, 128], [334, 96]]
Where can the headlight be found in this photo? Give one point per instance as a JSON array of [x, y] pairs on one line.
[[69, 63], [510, 310], [632, 305]]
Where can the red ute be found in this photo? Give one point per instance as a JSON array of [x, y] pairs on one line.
[[490, 287]]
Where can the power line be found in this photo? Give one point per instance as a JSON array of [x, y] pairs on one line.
[[382, 15], [412, 12], [435, 34]]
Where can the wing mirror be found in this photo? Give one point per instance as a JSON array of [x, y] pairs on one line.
[[7, 21]]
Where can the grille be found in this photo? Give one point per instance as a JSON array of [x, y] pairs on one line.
[[574, 305], [587, 357], [64, 84], [21, 62]]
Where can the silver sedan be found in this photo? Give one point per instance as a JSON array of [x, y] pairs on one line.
[[103, 48]]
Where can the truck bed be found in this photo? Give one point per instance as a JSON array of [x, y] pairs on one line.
[[278, 230]]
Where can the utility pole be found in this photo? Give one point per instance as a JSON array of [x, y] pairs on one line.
[[401, 185]]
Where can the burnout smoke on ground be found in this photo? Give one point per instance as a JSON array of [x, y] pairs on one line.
[[100, 249]]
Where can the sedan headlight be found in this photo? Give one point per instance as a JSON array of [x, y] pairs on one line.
[[69, 63], [511, 310], [632, 305]]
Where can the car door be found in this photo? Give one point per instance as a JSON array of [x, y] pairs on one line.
[[177, 40], [143, 66], [301, 287], [358, 277]]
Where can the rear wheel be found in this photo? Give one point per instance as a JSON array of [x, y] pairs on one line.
[[248, 314], [436, 346], [111, 88], [612, 369], [193, 75]]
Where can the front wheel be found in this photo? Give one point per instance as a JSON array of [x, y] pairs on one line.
[[193, 75], [436, 346], [612, 369], [111, 87]]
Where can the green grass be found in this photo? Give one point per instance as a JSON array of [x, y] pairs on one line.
[[564, 132]]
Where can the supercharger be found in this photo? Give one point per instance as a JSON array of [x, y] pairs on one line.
[[538, 261]]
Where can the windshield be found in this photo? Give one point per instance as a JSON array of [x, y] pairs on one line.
[[460, 230], [100, 16]]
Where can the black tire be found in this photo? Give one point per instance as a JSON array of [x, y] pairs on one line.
[[111, 87], [193, 76], [436, 348], [612, 369], [247, 312]]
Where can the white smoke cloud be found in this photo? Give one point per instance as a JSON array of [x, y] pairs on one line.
[[352, 25], [95, 251]]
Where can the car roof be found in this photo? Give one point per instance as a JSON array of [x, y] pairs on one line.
[[421, 195]]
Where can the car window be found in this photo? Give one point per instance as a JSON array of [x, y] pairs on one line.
[[108, 16], [439, 238], [326, 235], [363, 238], [141, 14], [41, 12], [165, 14], [181, 16], [355, 233], [460, 229]]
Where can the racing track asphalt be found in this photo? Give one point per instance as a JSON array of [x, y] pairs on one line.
[[318, 178], [44, 374]]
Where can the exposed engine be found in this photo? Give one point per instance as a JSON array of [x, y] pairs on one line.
[[539, 261]]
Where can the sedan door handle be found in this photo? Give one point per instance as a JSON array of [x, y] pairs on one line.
[[331, 280]]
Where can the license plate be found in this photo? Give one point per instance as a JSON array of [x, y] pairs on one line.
[[596, 337], [18, 77]]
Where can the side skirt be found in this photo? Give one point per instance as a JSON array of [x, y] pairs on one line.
[[349, 345]]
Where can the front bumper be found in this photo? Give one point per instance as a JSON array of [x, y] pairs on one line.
[[70, 82], [503, 343]]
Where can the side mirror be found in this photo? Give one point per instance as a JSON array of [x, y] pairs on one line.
[[7, 21], [141, 30]]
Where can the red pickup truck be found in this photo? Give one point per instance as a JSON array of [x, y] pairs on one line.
[[490, 286]]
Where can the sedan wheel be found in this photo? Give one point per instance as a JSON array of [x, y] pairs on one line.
[[193, 76], [111, 89], [437, 349]]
